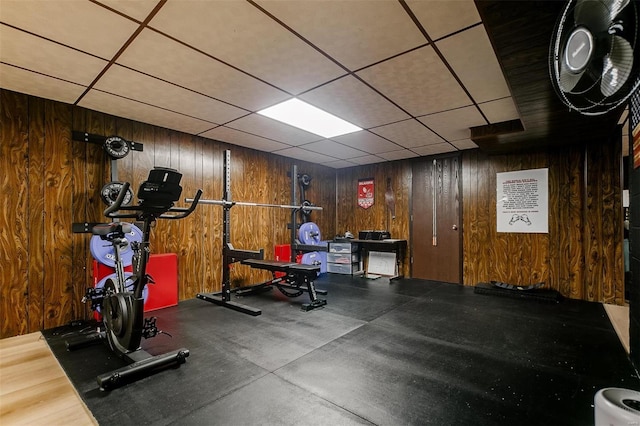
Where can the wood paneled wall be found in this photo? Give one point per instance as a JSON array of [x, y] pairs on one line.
[[351, 217], [581, 256], [50, 182]]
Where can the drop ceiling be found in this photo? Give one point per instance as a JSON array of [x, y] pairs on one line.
[[416, 75]]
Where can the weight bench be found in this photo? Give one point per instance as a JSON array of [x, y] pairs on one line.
[[297, 278]]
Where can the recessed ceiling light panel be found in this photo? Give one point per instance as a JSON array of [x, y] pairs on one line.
[[307, 117]]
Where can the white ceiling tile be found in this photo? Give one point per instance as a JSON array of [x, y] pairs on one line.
[[162, 57], [367, 142], [339, 164], [418, 82], [273, 129], [499, 110], [333, 149], [243, 36], [454, 124], [464, 144], [134, 85], [442, 17], [438, 148], [472, 58], [304, 155], [137, 9], [366, 159], [79, 24], [202, 64], [408, 133], [398, 155], [37, 54], [121, 107], [355, 33], [30, 83], [246, 140], [352, 100]]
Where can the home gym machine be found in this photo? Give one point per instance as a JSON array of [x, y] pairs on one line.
[[121, 300], [291, 278]]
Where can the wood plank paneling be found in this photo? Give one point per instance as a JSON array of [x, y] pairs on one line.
[[14, 219], [80, 242], [574, 232], [351, 217], [58, 212], [579, 255], [55, 181], [35, 190]]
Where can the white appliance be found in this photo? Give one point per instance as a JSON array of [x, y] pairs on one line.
[[617, 407]]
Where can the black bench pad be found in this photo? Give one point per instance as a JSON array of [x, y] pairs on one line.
[[301, 267], [277, 265], [269, 265]]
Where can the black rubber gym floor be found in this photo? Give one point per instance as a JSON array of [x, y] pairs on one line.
[[406, 352]]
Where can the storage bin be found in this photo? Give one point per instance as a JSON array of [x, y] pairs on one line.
[[342, 268], [342, 247], [342, 257]]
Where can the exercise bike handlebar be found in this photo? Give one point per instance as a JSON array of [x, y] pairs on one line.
[[183, 212], [117, 205]]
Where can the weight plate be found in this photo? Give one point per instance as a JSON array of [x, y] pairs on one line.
[[116, 147], [103, 251], [316, 258], [128, 285], [305, 180], [306, 203], [109, 193], [309, 233]]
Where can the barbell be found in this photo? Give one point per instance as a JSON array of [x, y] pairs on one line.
[[242, 203]]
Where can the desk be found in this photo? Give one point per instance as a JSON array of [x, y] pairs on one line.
[[399, 247]]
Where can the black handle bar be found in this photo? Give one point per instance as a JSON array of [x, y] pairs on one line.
[[137, 210], [109, 211], [185, 211]]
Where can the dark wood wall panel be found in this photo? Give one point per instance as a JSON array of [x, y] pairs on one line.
[[58, 202], [35, 207], [351, 217], [14, 219], [580, 256], [79, 242], [55, 182]]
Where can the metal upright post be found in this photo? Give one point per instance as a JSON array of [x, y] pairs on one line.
[[226, 228], [294, 213], [229, 254]]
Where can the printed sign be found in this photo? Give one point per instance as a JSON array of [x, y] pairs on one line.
[[523, 201], [365, 193]]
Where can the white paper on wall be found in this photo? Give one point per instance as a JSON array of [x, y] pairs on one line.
[[523, 201]]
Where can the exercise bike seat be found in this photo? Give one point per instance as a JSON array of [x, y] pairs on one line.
[[104, 229]]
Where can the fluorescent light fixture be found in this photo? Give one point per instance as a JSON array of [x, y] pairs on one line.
[[307, 117]]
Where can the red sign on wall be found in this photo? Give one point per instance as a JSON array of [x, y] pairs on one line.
[[365, 193]]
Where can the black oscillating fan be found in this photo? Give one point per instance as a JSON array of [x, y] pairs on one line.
[[595, 54]]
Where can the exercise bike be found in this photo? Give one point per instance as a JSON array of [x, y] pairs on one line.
[[121, 300]]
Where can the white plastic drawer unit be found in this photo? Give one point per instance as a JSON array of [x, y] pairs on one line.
[[342, 257], [342, 248], [342, 268]]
